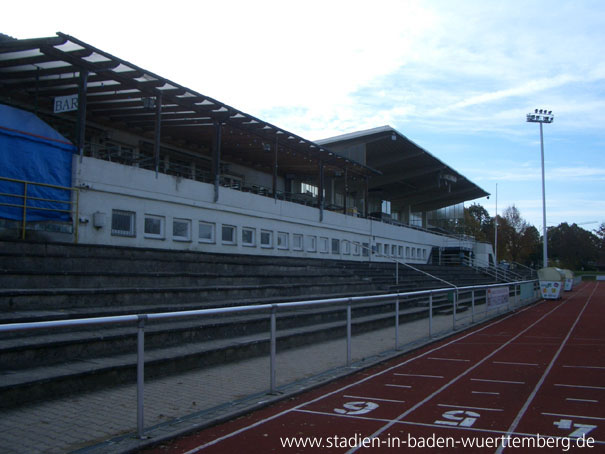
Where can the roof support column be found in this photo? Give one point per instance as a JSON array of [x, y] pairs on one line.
[[346, 191], [320, 192], [366, 197], [275, 170], [81, 132], [216, 157], [158, 132]]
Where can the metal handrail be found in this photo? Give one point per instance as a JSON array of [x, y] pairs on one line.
[[142, 319], [25, 198]]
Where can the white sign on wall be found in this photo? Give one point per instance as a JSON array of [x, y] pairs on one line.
[[65, 103], [497, 296]]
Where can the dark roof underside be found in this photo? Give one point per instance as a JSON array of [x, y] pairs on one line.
[[35, 71], [410, 175]]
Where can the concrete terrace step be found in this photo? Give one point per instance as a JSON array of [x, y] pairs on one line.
[[52, 298], [20, 386]]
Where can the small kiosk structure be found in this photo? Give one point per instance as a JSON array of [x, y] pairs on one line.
[[552, 282], [569, 278]]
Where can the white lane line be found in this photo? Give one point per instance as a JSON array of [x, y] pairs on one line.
[[486, 392], [418, 375], [397, 386], [379, 399], [582, 400], [515, 364], [469, 408], [448, 359], [499, 381], [574, 416], [455, 379], [358, 382], [580, 386], [531, 397], [586, 367]]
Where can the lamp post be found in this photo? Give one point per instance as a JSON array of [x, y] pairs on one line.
[[542, 116]]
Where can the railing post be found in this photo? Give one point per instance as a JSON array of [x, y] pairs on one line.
[[141, 374], [273, 348], [397, 323], [454, 301], [431, 315], [349, 332], [473, 306]]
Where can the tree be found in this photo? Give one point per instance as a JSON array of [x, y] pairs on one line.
[[513, 233], [573, 247]]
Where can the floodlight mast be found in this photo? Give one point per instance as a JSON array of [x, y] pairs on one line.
[[542, 116]]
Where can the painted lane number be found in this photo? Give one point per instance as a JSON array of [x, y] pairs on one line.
[[580, 429], [460, 418], [356, 408]]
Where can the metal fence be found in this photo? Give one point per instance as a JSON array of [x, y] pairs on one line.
[[416, 317]]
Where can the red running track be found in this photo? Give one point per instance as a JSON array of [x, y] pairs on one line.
[[531, 381]]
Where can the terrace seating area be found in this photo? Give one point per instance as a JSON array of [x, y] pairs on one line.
[[51, 281]]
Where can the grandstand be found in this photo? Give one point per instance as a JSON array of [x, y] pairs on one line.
[[122, 192]]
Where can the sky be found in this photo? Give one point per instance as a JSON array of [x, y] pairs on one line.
[[456, 77]]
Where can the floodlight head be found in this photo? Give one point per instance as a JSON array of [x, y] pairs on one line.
[[536, 111]]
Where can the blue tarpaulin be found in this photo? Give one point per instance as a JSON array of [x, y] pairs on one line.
[[33, 151]]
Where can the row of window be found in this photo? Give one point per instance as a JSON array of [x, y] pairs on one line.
[[123, 224]]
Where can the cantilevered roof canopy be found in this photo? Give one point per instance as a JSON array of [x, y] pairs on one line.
[[410, 175], [121, 95]]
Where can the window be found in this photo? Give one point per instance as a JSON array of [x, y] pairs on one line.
[[407, 251], [297, 242], [400, 251], [394, 250], [307, 188], [123, 223], [386, 206], [424, 253], [356, 248], [311, 243], [181, 229], [154, 226], [365, 250], [266, 238], [248, 236], [228, 234], [323, 245], [418, 253], [379, 248], [335, 246], [413, 252], [207, 232], [282, 240], [346, 247], [387, 249]]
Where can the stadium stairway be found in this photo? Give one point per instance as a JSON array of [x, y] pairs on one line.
[[50, 281]]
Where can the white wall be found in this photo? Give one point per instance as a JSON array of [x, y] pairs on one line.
[[108, 186]]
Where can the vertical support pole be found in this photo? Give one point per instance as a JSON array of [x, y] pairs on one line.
[[320, 194], [158, 132], [396, 272], [431, 315], [473, 306], [216, 158], [275, 170], [366, 197], [349, 332], [141, 375], [397, 323], [273, 348], [81, 133], [454, 301], [24, 210], [77, 216], [346, 190], [545, 246]]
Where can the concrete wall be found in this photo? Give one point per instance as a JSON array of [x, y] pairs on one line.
[[107, 186]]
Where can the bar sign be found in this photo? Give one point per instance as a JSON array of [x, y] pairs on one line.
[[66, 103]]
